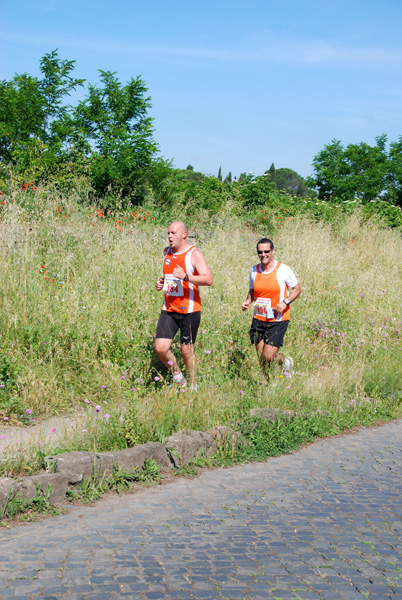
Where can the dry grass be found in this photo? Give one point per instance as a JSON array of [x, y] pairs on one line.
[[89, 333]]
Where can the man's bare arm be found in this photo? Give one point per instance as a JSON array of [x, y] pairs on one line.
[[203, 277]]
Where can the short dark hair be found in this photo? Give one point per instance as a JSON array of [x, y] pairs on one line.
[[265, 241]]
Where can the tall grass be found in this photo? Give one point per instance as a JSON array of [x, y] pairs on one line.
[[79, 311]]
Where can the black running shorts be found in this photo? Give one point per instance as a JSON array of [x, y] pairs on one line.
[[272, 332], [170, 322]]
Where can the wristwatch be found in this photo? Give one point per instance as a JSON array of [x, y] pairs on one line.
[[286, 301], [185, 278]]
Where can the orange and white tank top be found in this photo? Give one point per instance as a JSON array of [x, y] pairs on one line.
[[269, 289], [180, 296]]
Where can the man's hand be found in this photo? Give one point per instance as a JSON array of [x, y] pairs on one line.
[[159, 284], [250, 298], [295, 293], [179, 273]]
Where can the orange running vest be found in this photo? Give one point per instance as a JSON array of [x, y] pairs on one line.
[[180, 296], [267, 285]]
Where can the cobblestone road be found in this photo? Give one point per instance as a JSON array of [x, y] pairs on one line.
[[324, 523]]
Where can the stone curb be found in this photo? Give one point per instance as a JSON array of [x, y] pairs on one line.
[[64, 471]]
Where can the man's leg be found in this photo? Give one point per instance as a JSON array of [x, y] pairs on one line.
[[190, 360], [188, 334], [272, 342], [274, 338], [167, 328], [270, 353], [267, 355], [162, 349]]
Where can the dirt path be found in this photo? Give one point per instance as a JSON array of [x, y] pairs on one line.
[[49, 431]]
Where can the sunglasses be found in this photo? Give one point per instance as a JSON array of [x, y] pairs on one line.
[[264, 251]]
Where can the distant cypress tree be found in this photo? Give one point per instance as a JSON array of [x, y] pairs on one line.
[[220, 174], [228, 178]]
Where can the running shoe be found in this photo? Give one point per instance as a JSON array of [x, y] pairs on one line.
[[287, 367]]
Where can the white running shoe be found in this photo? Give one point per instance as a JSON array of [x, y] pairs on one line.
[[179, 381], [287, 367]]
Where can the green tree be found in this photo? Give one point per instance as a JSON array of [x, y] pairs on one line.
[[357, 171], [330, 171], [368, 166], [186, 175], [108, 135], [55, 85], [246, 177], [20, 119], [394, 178], [113, 127], [289, 181], [228, 178], [34, 119], [255, 191], [220, 174]]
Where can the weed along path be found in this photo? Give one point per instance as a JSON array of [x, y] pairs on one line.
[[322, 523]]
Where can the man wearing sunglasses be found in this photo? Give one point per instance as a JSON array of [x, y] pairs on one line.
[[270, 282]]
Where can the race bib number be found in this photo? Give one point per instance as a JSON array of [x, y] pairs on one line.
[[173, 286], [262, 308]]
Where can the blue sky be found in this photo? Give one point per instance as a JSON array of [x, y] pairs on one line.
[[237, 84]]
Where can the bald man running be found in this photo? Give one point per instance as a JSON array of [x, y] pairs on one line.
[[184, 269]]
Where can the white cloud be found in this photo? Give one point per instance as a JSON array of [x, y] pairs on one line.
[[270, 48]]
